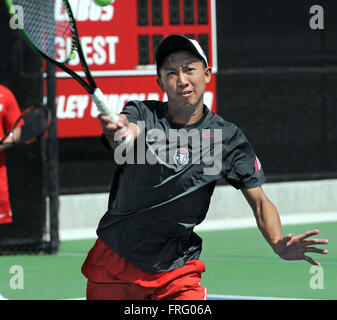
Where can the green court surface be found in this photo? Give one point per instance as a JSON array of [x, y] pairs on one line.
[[239, 265]]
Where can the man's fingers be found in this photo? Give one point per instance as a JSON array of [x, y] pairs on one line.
[[315, 241], [312, 261], [307, 234], [108, 125], [317, 250], [103, 118], [287, 239], [121, 134]]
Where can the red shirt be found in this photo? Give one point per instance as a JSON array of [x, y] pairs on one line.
[[9, 112]]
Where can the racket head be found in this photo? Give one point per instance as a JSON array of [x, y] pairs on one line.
[[33, 122], [49, 25]]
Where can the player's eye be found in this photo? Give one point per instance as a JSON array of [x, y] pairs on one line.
[[171, 73], [189, 69]]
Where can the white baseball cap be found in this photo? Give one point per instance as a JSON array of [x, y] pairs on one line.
[[176, 42]]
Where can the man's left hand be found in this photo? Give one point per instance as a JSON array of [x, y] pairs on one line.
[[295, 247]]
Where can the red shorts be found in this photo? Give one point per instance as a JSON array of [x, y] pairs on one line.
[[111, 277]]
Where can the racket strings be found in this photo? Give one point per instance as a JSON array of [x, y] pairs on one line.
[[34, 123], [48, 26]]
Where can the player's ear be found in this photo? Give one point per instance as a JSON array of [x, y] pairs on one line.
[[208, 74], [160, 83]]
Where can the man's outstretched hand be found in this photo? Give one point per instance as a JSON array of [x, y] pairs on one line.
[[295, 247]]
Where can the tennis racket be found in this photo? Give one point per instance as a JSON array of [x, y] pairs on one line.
[[47, 23], [34, 121]]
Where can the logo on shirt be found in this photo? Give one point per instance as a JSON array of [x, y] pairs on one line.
[[257, 164], [207, 136], [181, 157]]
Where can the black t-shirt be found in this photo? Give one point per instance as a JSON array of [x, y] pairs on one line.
[[164, 189]]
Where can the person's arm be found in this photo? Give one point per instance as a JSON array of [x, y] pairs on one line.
[[288, 247], [11, 139], [266, 215]]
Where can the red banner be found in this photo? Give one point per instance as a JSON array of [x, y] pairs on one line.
[[77, 114], [111, 39]]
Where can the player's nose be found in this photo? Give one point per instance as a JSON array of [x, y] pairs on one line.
[[181, 80]]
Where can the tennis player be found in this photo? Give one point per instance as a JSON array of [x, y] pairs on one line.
[[146, 247], [9, 113]]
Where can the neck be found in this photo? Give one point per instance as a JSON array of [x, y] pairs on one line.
[[186, 116]]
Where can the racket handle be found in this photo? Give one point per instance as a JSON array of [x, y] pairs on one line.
[[103, 107]]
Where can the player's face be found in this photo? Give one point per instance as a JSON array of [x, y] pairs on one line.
[[184, 77]]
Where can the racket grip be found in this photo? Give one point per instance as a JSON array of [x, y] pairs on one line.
[[102, 105]]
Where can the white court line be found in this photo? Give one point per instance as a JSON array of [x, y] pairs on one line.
[[209, 258], [219, 224], [264, 260], [242, 223]]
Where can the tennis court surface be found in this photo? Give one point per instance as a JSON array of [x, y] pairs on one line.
[[239, 265]]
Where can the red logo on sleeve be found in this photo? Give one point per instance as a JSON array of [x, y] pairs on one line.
[[257, 164]]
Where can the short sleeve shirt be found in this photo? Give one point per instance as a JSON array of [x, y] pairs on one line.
[[9, 112], [165, 186]]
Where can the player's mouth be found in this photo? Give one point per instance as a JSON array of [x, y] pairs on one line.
[[186, 94]]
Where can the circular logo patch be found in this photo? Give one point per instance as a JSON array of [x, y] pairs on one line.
[[181, 156]]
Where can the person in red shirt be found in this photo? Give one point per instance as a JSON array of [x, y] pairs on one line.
[[9, 112]]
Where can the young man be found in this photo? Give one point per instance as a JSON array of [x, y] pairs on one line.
[[9, 113], [146, 247]]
